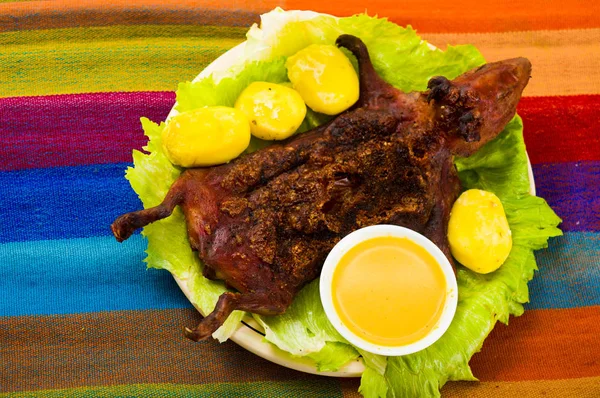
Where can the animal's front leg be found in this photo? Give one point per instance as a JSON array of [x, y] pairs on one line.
[[262, 303], [436, 228], [124, 226]]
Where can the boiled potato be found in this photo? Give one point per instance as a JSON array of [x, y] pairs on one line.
[[324, 77], [478, 231], [206, 136], [275, 111]]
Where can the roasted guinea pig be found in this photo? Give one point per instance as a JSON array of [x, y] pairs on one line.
[[265, 222]]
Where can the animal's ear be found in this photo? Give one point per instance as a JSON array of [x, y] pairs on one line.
[[439, 88], [456, 112]]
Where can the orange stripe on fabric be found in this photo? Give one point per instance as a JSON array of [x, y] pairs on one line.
[[148, 347], [571, 388], [246, 5], [564, 62], [122, 347], [468, 15], [524, 357], [73, 13], [543, 350], [350, 387], [542, 345]]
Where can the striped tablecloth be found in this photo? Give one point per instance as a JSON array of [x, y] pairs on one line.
[[80, 315]]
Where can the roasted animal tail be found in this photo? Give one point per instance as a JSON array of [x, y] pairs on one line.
[[258, 303], [373, 88], [124, 226]]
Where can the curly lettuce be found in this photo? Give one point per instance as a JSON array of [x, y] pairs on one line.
[[407, 62]]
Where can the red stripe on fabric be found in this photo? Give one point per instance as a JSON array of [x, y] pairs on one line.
[[561, 129], [76, 129], [68, 130], [542, 345]]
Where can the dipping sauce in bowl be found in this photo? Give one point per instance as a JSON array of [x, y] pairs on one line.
[[388, 290]]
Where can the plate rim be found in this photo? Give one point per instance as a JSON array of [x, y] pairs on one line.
[[247, 335]]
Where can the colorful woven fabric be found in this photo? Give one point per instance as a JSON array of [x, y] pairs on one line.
[[81, 316]]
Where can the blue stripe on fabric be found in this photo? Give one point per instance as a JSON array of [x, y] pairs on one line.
[[573, 190], [63, 202], [99, 274], [82, 201], [82, 275], [569, 272]]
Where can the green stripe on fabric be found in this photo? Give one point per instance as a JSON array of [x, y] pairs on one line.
[[325, 387], [101, 59]]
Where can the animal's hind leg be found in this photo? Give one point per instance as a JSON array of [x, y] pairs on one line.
[[258, 303], [124, 226]]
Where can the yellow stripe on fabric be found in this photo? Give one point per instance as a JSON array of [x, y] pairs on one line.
[[156, 58], [100, 59], [107, 33], [588, 387], [565, 62], [325, 387]]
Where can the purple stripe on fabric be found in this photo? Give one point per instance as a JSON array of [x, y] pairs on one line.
[[573, 191], [76, 129]]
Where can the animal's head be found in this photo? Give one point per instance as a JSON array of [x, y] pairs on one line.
[[474, 108]]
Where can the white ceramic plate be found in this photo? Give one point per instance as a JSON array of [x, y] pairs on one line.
[[250, 335]]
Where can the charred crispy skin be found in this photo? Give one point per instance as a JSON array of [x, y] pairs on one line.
[[265, 222]]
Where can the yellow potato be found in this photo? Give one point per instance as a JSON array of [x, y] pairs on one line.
[[206, 136], [324, 77], [478, 231], [275, 111]]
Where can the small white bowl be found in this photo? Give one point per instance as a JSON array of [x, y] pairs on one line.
[[376, 231]]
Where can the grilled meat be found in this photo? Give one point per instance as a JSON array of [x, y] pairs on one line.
[[265, 222]]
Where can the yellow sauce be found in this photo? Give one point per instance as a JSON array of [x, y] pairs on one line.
[[388, 290]]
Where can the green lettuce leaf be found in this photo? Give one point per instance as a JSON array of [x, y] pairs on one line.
[[398, 54], [333, 356], [168, 246], [153, 174], [224, 92], [373, 382], [407, 62], [304, 330], [484, 299]]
